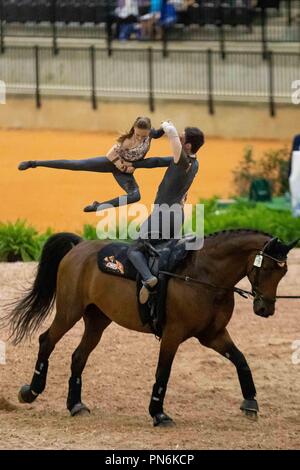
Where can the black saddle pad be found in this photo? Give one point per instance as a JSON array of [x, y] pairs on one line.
[[113, 259], [166, 256]]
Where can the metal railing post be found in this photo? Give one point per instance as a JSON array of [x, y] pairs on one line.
[[93, 77], [165, 41], [289, 12], [210, 82], [222, 34], [264, 33], [271, 84], [54, 28], [2, 47], [108, 27], [150, 80], [37, 77]]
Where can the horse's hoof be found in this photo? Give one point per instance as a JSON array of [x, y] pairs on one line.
[[163, 420], [80, 409], [250, 409], [25, 395], [250, 414]]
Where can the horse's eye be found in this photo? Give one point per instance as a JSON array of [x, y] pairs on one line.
[[281, 264]]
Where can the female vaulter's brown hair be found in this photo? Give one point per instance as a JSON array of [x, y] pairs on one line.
[[140, 123]]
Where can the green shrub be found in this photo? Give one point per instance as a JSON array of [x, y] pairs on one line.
[[272, 166], [89, 232], [279, 223], [20, 242], [243, 174]]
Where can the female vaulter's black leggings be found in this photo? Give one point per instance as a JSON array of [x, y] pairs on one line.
[[104, 165]]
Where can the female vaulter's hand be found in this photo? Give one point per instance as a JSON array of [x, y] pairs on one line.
[[127, 167], [120, 165], [130, 169]]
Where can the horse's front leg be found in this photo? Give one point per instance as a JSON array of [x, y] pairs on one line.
[[168, 348], [223, 344]]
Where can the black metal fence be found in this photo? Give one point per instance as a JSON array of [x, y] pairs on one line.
[[189, 75], [95, 19]]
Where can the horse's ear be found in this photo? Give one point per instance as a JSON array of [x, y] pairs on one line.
[[292, 245], [270, 245]]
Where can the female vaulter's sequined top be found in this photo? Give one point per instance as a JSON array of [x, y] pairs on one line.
[[137, 153], [140, 151]]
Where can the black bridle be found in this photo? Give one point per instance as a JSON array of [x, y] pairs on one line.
[[257, 265]]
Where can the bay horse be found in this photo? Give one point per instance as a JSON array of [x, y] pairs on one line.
[[68, 272]]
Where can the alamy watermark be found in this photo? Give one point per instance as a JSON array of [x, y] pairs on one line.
[[2, 92], [163, 222], [296, 354], [296, 92]]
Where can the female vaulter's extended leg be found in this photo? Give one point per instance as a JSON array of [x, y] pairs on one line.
[[129, 184], [224, 345], [103, 165], [98, 165]]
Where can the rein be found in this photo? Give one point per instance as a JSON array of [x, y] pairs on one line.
[[242, 292]]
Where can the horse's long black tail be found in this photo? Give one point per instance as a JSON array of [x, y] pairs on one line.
[[34, 307]]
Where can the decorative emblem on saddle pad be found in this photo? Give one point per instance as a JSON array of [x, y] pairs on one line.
[[112, 263]]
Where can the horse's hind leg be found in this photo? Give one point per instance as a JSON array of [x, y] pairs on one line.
[[223, 344], [61, 324], [95, 323]]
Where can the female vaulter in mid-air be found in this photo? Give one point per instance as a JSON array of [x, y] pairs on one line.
[[121, 160]]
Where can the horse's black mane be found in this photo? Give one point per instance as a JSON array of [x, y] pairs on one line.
[[279, 250], [237, 231]]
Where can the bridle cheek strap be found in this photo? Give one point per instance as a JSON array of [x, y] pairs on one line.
[[258, 262]]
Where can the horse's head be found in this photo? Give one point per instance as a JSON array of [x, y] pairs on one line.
[[266, 270]]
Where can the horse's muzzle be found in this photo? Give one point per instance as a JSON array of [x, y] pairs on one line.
[[263, 308]]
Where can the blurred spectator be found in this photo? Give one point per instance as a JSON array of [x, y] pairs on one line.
[[294, 176], [144, 7], [146, 18], [181, 8], [150, 20], [127, 17], [168, 13]]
